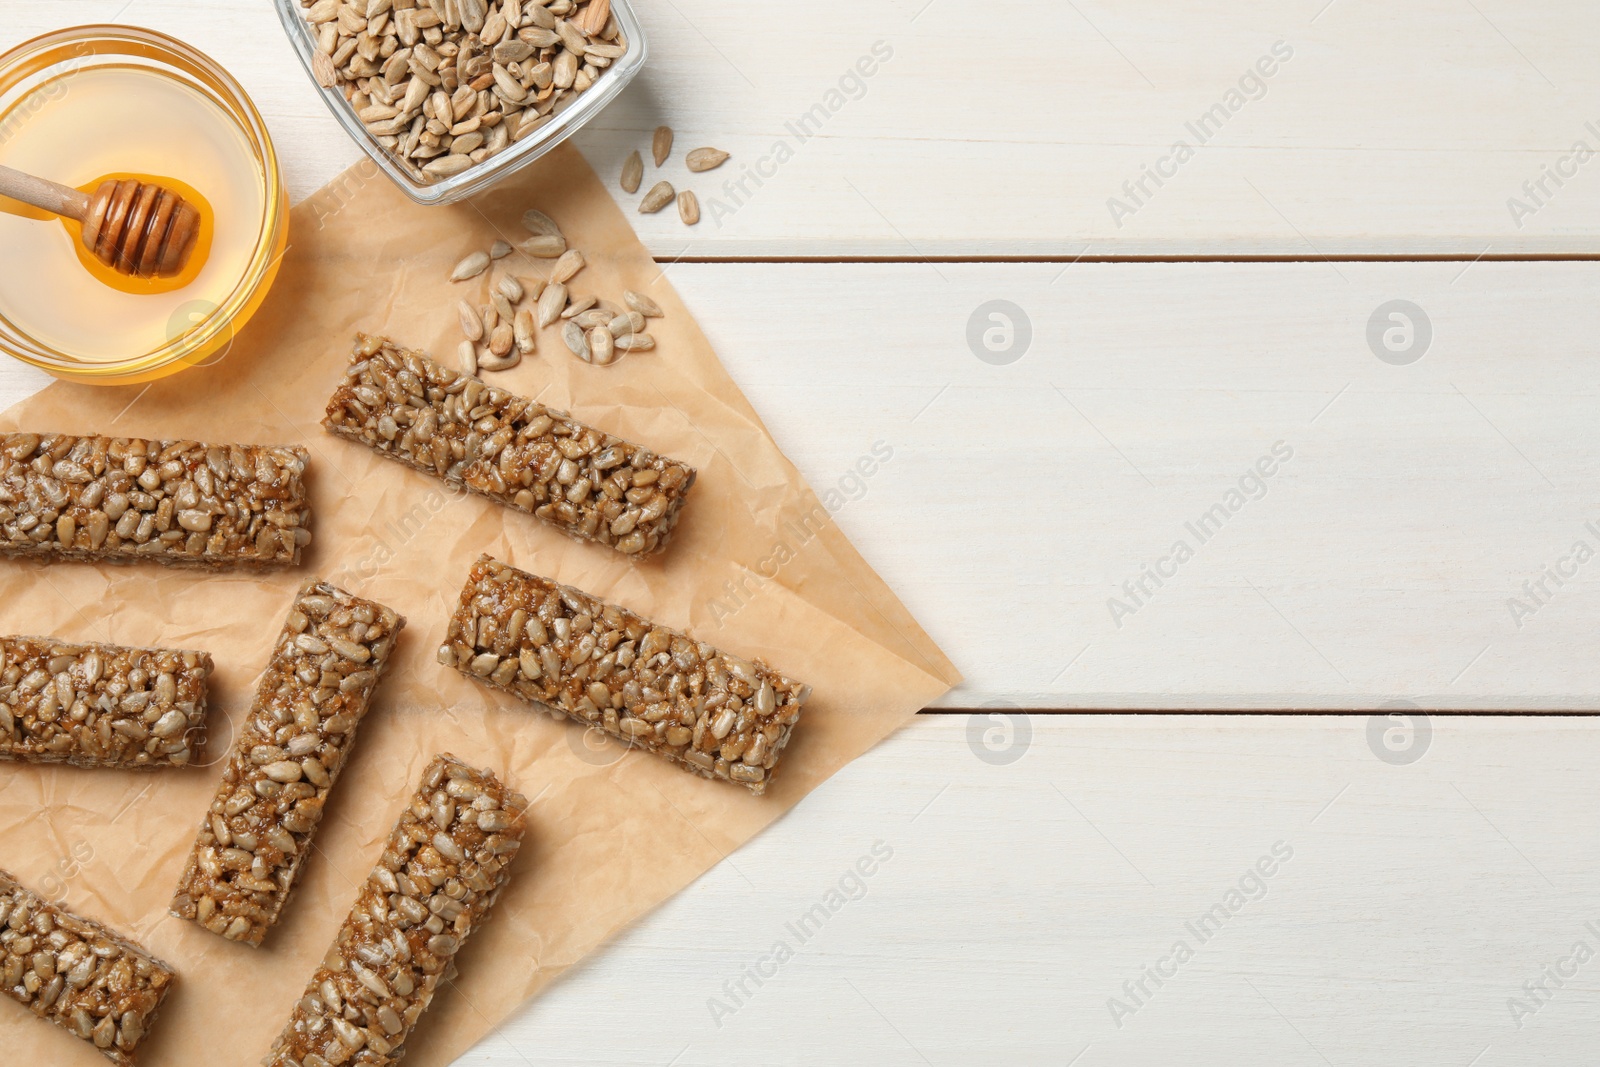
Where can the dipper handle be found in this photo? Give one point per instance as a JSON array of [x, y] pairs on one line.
[[131, 226], [43, 193]]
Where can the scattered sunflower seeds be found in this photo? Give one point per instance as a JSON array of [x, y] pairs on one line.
[[498, 334], [570, 263], [622, 325], [502, 307], [471, 324], [643, 304], [494, 362], [539, 224], [545, 246], [704, 159], [601, 346], [632, 173], [501, 340], [656, 199], [551, 303], [689, 207], [576, 340], [578, 307], [661, 144], [473, 266], [522, 331]]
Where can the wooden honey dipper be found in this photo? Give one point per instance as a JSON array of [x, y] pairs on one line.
[[132, 227]]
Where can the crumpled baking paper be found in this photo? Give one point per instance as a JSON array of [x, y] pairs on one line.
[[755, 568]]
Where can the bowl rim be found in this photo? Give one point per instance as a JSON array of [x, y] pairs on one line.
[[200, 342], [481, 176]]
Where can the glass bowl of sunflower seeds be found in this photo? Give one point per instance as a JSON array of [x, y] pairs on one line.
[[450, 96]]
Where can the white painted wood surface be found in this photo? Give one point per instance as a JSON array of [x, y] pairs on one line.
[[1382, 564], [1021, 897], [1004, 129]]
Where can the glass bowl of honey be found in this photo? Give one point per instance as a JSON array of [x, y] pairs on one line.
[[83, 105]]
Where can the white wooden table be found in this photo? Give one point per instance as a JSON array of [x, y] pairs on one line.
[[1177, 323]]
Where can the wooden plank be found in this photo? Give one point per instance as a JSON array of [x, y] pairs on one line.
[[1019, 899], [1394, 130], [1380, 563], [1007, 505]]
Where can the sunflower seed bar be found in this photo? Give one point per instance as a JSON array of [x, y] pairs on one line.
[[116, 499], [588, 484], [78, 974], [706, 710], [447, 859], [99, 705], [290, 749]]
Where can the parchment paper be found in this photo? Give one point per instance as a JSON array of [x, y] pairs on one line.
[[613, 833]]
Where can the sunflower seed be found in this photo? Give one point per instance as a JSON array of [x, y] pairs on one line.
[[643, 304], [522, 331], [632, 322], [576, 341], [602, 346], [570, 263], [512, 51], [323, 70], [578, 307], [501, 340], [471, 324], [594, 17], [447, 167], [657, 198], [539, 224], [571, 38], [689, 207], [590, 319], [565, 70], [661, 144], [551, 303], [632, 173], [503, 311], [468, 356], [507, 87], [545, 246], [636, 342], [499, 250], [511, 288], [470, 267], [704, 159], [491, 361]]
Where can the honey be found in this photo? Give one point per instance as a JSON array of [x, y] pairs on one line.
[[120, 121]]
